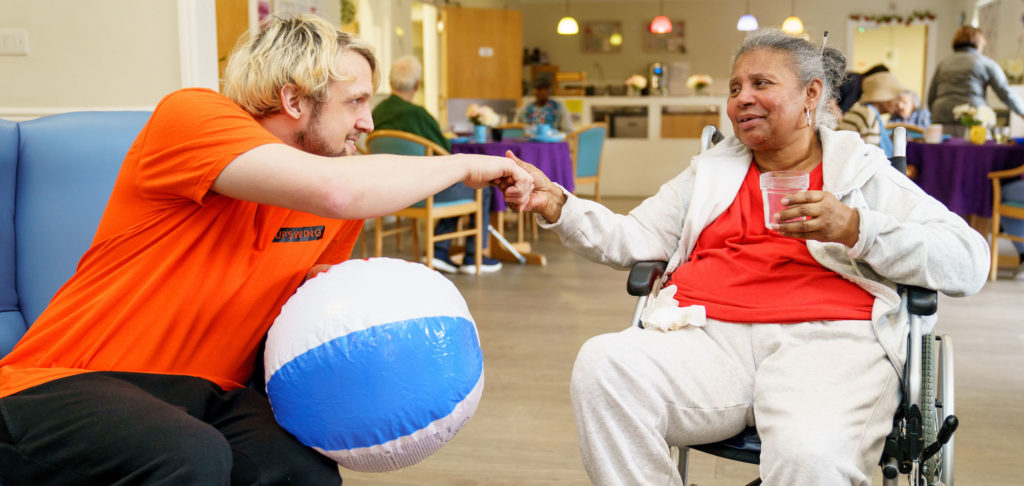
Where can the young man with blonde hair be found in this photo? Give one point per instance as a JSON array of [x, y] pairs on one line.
[[134, 373]]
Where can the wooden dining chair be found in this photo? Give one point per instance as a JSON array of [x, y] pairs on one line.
[[405, 143], [1001, 209], [585, 146], [913, 131], [570, 83]]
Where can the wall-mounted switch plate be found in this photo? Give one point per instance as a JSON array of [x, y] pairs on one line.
[[13, 42]]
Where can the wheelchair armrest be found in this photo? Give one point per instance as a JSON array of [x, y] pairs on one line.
[[642, 277], [921, 301]]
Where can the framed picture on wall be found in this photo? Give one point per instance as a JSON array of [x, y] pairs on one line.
[[602, 36], [670, 42]]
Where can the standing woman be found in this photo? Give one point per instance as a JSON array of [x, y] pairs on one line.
[[963, 77], [795, 329]]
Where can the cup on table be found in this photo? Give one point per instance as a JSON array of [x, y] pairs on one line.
[[933, 133], [777, 185], [1001, 134]]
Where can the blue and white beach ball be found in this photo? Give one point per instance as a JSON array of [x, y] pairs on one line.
[[375, 363]]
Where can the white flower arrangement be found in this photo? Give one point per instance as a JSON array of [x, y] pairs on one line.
[[482, 115], [636, 82], [1014, 69], [970, 115], [698, 81]]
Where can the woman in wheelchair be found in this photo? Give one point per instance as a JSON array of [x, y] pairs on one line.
[[795, 329]]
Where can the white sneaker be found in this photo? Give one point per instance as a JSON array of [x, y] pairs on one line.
[[487, 265], [442, 264]]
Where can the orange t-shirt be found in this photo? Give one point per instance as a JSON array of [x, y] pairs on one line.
[[178, 280], [742, 272]]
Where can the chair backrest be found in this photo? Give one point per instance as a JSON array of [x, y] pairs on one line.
[[588, 144], [512, 130], [401, 143], [64, 170], [12, 324]]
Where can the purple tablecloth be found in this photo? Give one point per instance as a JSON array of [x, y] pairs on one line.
[[956, 172], [553, 159]]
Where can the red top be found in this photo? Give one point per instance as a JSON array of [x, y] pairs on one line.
[[179, 280], [742, 272]]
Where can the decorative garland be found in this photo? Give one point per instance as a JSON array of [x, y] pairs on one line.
[[923, 16]]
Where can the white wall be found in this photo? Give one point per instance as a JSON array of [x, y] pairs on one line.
[[90, 54]]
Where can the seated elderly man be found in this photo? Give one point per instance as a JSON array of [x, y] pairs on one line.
[[398, 112], [794, 328], [881, 96]]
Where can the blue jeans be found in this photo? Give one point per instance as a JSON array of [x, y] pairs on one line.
[[448, 225], [1014, 191]]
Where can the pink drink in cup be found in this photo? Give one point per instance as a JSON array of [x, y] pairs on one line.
[[777, 185]]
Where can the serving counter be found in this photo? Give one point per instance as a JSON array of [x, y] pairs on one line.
[[651, 138]]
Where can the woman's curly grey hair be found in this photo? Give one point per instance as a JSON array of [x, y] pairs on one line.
[[808, 63]]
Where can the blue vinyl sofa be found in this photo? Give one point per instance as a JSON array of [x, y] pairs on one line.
[[56, 174]]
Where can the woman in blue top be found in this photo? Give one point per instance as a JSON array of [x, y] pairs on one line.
[[544, 110]]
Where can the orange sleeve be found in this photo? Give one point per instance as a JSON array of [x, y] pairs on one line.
[[191, 137]]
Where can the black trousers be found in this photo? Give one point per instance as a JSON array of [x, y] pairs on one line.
[[115, 428]]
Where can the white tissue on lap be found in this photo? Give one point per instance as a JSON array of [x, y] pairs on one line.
[[664, 314]]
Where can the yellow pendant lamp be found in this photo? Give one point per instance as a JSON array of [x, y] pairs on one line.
[[792, 25], [568, 25], [661, 24]]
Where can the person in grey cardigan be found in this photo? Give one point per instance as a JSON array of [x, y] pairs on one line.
[[819, 383], [963, 77]]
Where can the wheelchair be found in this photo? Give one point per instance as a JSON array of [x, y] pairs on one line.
[[920, 446]]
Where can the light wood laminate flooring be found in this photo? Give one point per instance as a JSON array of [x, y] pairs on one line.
[[532, 320]]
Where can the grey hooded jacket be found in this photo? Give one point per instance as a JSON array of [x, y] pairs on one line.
[[906, 236]]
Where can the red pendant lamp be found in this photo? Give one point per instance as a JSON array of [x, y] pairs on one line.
[[661, 24]]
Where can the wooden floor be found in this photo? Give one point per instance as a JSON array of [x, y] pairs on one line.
[[532, 320]]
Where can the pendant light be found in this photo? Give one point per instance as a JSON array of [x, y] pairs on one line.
[[661, 24], [792, 25], [568, 25], [747, 22]]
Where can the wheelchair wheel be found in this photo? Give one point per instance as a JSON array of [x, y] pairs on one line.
[[929, 412]]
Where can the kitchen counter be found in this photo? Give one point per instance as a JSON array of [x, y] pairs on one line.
[[655, 138]]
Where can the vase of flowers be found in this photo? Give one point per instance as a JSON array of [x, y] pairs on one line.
[[482, 117], [698, 82], [977, 120], [635, 84]]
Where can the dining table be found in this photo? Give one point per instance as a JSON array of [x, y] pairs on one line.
[[956, 172], [551, 158]]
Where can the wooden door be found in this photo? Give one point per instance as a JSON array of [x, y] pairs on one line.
[[482, 53], [232, 22]]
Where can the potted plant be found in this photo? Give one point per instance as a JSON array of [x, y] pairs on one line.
[[482, 117]]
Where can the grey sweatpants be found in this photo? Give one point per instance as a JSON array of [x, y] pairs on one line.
[[822, 394]]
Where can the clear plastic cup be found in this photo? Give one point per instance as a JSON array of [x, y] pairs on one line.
[[778, 184]]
